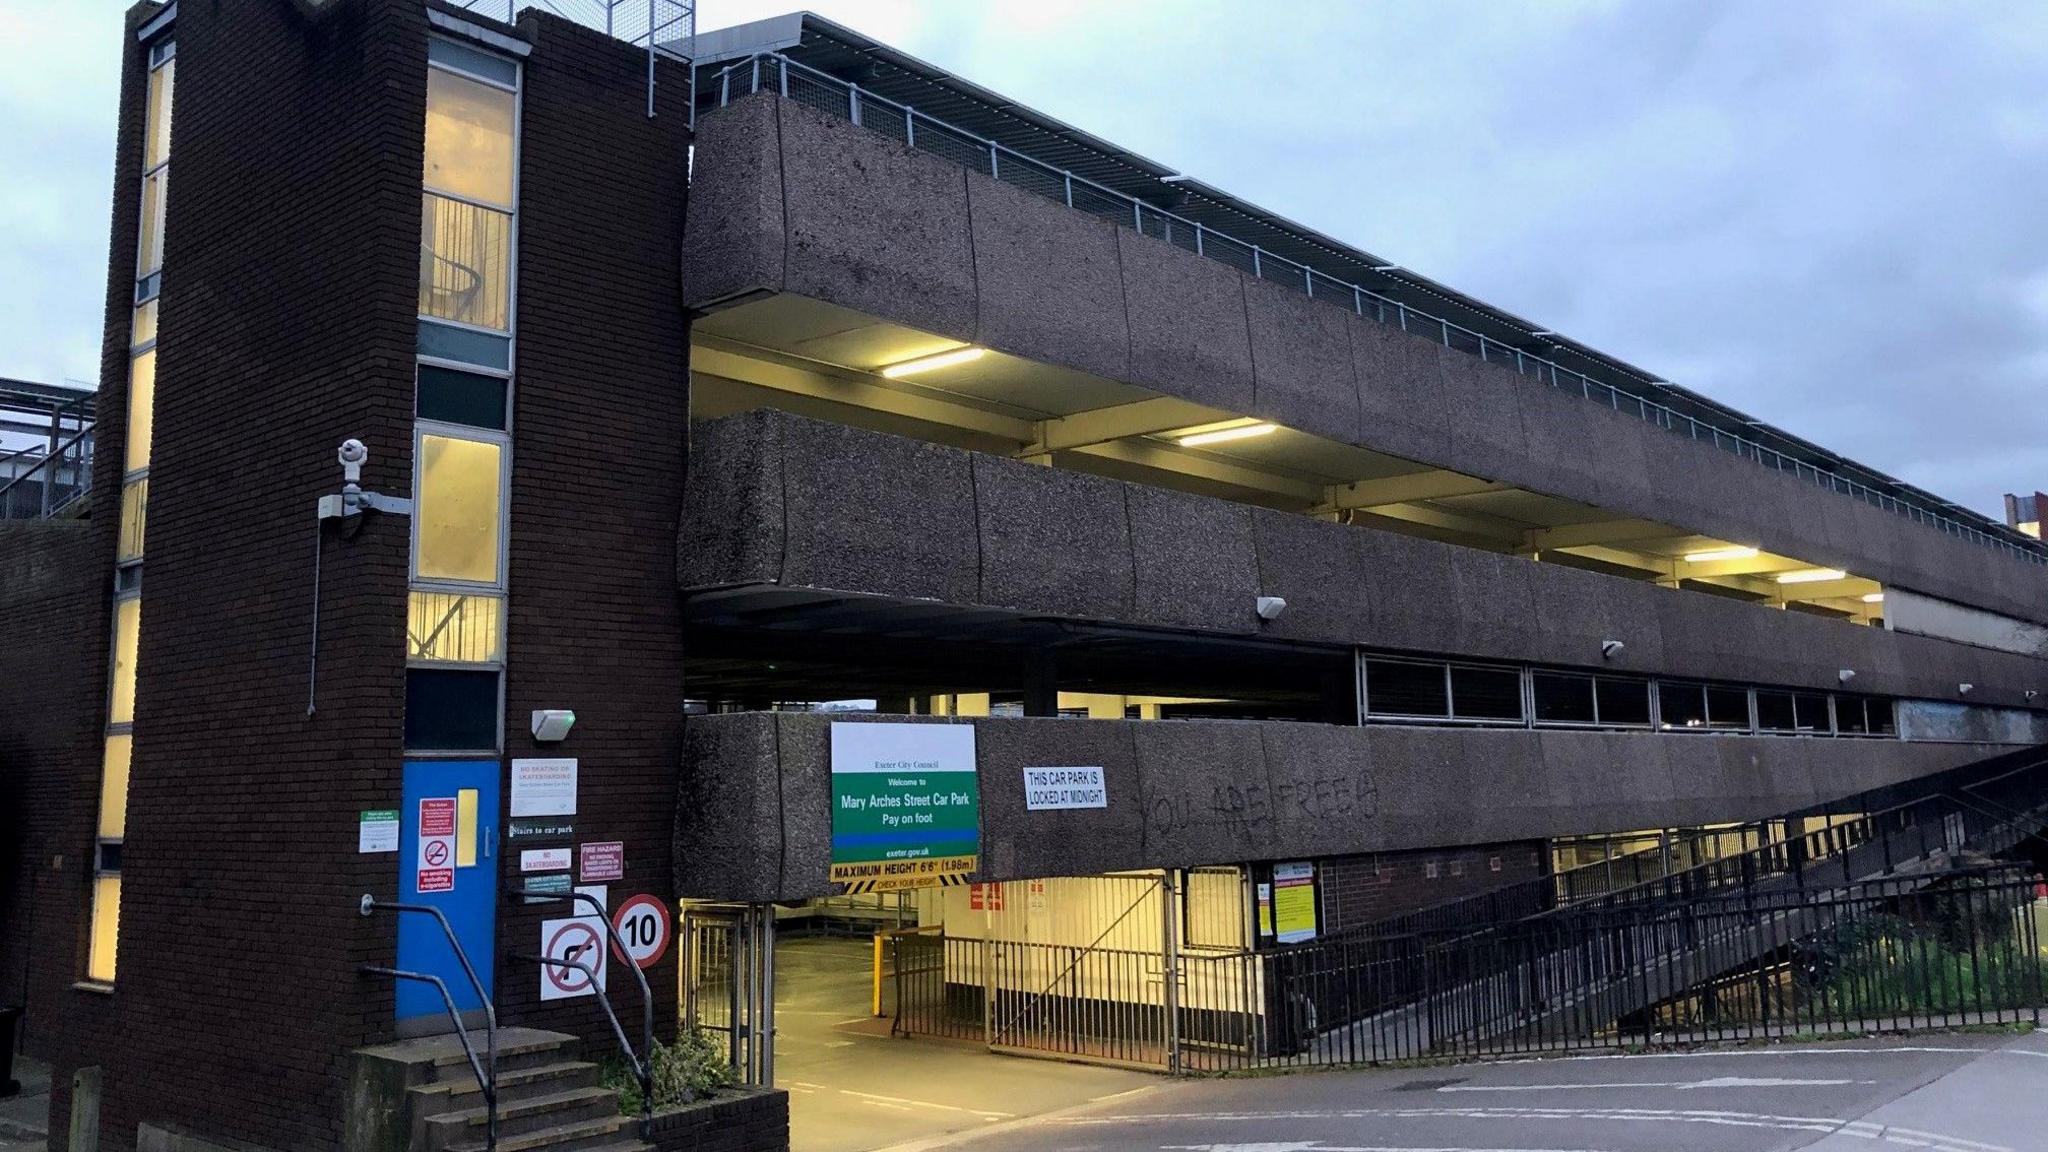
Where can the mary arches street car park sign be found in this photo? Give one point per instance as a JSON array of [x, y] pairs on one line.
[[906, 805]]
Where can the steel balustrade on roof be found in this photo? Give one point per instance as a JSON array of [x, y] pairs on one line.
[[819, 63]]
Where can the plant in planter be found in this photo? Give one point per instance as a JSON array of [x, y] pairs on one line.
[[688, 1070]]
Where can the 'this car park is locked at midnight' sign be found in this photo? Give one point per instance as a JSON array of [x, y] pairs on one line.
[[906, 805]]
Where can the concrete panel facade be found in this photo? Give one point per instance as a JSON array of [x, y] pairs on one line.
[[781, 499], [870, 224], [1194, 793]]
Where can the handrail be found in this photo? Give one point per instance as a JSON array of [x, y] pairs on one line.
[[643, 1065], [488, 1084], [862, 106], [1485, 909], [53, 460]]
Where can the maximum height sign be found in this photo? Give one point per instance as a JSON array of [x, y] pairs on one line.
[[906, 805]]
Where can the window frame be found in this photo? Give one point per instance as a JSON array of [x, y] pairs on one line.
[[510, 333], [503, 442], [1451, 715]]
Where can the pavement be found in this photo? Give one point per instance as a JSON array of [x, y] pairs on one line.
[[23, 1116], [853, 1087], [1939, 1093]]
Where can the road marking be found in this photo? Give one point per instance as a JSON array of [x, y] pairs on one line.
[[1678, 1085], [1318, 1146], [985, 1113], [1817, 1050]]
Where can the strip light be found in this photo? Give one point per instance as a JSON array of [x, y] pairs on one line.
[[1220, 435], [1812, 576], [1714, 554], [933, 363], [1873, 597]]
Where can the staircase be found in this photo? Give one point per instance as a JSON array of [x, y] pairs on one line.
[[421, 1096]]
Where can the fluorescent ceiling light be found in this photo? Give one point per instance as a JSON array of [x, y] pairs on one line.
[[1241, 432], [1713, 554], [1873, 597], [930, 363], [1812, 576]]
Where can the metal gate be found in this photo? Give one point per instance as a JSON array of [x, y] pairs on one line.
[[729, 982], [1137, 969]]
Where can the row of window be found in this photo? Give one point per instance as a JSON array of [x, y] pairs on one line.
[[1404, 689], [455, 616], [112, 830]]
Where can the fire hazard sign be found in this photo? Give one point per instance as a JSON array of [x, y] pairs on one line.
[[436, 866]]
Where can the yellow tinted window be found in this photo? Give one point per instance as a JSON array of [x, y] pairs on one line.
[[134, 516], [465, 262], [465, 828], [121, 695], [451, 626], [114, 788], [149, 253], [141, 409], [145, 325], [457, 517], [157, 148], [469, 139], [106, 925]]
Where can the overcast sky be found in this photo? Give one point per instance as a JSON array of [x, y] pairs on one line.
[[1829, 214]]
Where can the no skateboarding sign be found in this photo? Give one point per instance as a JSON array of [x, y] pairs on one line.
[[578, 940]]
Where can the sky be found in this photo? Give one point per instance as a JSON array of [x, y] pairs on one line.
[[1827, 214]]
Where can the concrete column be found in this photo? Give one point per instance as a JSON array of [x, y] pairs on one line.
[[1041, 683]]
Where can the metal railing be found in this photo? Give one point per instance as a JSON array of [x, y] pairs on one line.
[[44, 479], [641, 1064], [486, 1070], [776, 73]]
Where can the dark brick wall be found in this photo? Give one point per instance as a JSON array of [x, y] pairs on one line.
[[1358, 890], [600, 421], [286, 325], [751, 1120], [51, 680]]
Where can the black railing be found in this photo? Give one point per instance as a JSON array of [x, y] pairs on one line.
[[1939, 949], [486, 1071], [641, 1064]]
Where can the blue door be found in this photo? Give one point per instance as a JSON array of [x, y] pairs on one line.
[[447, 858]]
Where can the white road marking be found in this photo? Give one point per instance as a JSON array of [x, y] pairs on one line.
[[1318, 1146], [1816, 1050], [985, 1113], [1903, 1137], [1678, 1085]]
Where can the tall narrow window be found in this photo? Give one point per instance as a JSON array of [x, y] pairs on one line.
[[455, 616], [140, 427]]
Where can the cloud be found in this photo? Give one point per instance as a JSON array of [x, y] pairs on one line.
[[1820, 213]]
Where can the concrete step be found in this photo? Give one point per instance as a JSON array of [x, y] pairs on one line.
[[519, 1117], [460, 1091], [569, 1137], [517, 1048]]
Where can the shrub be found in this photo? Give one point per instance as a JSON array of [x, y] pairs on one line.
[[690, 1069]]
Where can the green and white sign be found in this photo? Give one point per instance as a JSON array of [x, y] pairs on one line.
[[906, 805]]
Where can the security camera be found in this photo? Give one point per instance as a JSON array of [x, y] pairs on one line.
[[352, 456], [1609, 649], [1846, 675], [1270, 607]]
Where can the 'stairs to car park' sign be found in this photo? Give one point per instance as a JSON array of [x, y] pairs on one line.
[[906, 805]]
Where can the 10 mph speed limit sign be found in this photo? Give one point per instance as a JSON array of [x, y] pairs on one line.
[[643, 926]]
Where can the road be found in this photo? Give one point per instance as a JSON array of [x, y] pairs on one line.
[[1949, 1093]]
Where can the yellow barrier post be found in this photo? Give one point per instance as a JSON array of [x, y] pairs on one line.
[[878, 974]]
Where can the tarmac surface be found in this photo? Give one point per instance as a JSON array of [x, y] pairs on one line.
[[1941, 1093], [23, 1115], [853, 1087]]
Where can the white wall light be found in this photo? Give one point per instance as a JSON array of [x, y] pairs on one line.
[[1270, 607], [933, 363], [551, 725], [1713, 554], [1222, 435], [1609, 649], [1812, 576], [1846, 675], [1965, 688]]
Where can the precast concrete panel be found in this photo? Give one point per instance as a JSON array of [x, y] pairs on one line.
[[1189, 334], [1049, 280], [734, 236], [1301, 362]]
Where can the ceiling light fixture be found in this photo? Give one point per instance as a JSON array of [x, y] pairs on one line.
[[1220, 435], [931, 363], [1713, 554], [1812, 576]]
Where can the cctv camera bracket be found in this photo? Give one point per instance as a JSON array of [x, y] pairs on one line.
[[351, 501]]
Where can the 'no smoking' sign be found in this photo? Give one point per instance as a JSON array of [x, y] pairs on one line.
[[578, 940]]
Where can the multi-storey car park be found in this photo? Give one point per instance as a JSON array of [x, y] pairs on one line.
[[731, 392]]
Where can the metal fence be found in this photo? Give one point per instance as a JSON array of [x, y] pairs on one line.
[[773, 72], [46, 442]]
